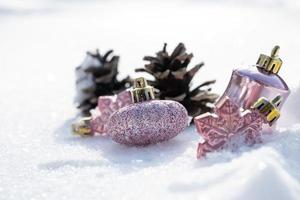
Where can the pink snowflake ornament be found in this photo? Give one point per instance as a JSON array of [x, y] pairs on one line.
[[228, 127], [107, 105]]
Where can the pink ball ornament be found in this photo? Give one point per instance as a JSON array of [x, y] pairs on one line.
[[135, 118], [147, 122]]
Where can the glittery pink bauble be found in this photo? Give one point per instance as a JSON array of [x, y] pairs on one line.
[[228, 127], [147, 122]]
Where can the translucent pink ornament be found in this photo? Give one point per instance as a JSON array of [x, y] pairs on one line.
[[261, 80]]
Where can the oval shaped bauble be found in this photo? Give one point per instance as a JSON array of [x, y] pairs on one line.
[[147, 122]]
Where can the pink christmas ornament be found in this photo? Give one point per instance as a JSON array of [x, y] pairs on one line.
[[244, 110], [261, 80], [107, 105], [147, 122], [228, 127], [135, 118]]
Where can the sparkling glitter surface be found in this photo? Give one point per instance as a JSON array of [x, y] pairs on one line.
[[147, 122], [107, 105], [228, 127]]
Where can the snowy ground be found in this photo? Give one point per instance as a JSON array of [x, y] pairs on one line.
[[42, 41]]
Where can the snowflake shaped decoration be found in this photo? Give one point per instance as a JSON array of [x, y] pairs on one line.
[[228, 127], [107, 105]]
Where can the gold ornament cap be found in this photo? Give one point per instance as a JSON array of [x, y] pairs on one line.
[[82, 127], [141, 90], [269, 108], [271, 64]]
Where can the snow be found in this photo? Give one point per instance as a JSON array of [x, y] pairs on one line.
[[41, 43]]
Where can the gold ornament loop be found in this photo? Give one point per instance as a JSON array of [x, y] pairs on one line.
[[269, 108], [271, 64], [142, 91]]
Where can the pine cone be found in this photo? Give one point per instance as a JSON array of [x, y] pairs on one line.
[[97, 76], [173, 80]]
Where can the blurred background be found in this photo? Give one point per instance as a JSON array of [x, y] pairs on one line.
[[42, 41]]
